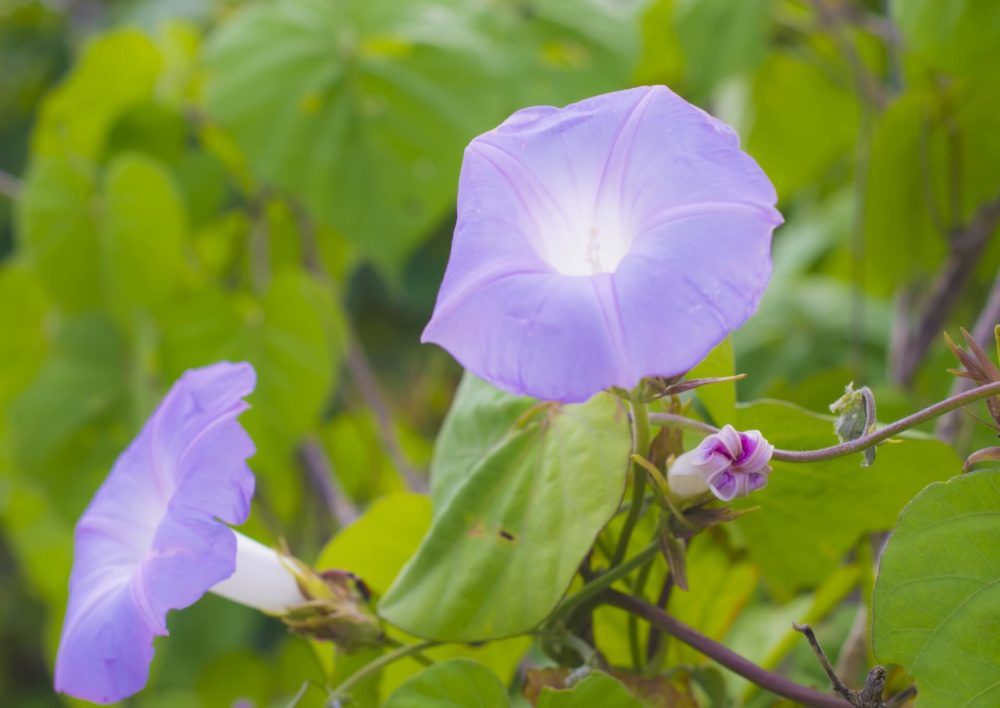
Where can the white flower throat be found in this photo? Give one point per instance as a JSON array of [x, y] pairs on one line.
[[584, 248]]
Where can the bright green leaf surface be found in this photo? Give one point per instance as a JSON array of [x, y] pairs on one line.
[[351, 104], [938, 591], [811, 514], [958, 35], [56, 228], [116, 71], [598, 689], [380, 542], [797, 142], [718, 398], [143, 232], [22, 342], [509, 534], [720, 39], [481, 417], [458, 683]]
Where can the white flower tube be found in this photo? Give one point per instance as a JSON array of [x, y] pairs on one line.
[[261, 580]]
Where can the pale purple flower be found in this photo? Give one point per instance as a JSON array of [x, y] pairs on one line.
[[597, 244], [154, 538], [728, 463]]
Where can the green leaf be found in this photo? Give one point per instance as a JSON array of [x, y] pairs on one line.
[[116, 71], [377, 545], [811, 514], [961, 36], [142, 234], [520, 505], [480, 417], [359, 108], [458, 683], [720, 39], [565, 50], [797, 141], [718, 398], [79, 386], [598, 689], [938, 589], [289, 337], [661, 61], [55, 227], [720, 583], [119, 243], [22, 337]]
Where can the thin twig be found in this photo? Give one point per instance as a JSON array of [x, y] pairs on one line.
[[10, 186], [343, 690], [901, 697], [835, 681], [724, 655], [967, 245], [851, 446], [371, 392], [321, 474], [357, 360]]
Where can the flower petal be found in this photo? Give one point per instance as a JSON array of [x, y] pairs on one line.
[[151, 539], [640, 193], [688, 283], [531, 333]]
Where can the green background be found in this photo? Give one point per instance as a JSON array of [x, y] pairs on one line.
[[185, 181]]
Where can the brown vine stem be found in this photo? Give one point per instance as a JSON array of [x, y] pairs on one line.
[[723, 655], [851, 446]]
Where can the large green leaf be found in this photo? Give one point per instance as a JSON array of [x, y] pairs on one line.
[[22, 337], [288, 336], [458, 683], [938, 591], [559, 51], [719, 399], [56, 422], [118, 242], [598, 689], [360, 108], [958, 35], [480, 418], [142, 234], [811, 514], [902, 191], [56, 228], [377, 545], [115, 71], [720, 39], [803, 122], [512, 524]]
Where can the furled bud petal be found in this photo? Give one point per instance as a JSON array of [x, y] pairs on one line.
[[727, 463]]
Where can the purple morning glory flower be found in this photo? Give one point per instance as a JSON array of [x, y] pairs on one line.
[[597, 244], [728, 463], [154, 538]]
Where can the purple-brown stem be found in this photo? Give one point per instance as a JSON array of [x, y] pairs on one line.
[[723, 655], [851, 446]]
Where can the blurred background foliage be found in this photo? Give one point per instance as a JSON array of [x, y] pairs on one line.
[[183, 181]]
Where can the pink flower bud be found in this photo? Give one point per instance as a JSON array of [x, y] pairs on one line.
[[727, 463]]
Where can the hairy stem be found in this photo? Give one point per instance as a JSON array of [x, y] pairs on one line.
[[604, 581], [640, 446], [723, 655], [343, 690], [851, 446]]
